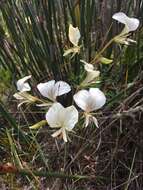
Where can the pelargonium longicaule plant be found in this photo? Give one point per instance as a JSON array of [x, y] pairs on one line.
[[86, 99]]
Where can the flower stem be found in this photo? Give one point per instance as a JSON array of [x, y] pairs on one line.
[[44, 174], [102, 50]]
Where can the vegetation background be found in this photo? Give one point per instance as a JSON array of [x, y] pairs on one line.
[[33, 36]]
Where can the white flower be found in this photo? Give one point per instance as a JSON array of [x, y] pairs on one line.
[[123, 39], [53, 89], [24, 98], [91, 74], [63, 118], [74, 36], [131, 24], [22, 85], [22, 95], [89, 101]]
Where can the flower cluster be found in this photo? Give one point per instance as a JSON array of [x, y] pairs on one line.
[[58, 116], [87, 101]]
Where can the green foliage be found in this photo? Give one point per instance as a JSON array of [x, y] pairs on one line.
[[5, 78], [34, 38]]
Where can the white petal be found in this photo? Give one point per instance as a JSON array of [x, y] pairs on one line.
[[18, 96], [63, 118], [97, 98], [47, 89], [87, 120], [131, 41], [74, 35], [23, 102], [88, 67], [61, 88], [22, 85], [64, 135], [95, 121], [90, 100], [91, 77], [71, 118], [57, 133], [56, 115], [120, 17], [44, 105], [26, 87], [131, 23], [81, 98], [81, 60], [67, 52]]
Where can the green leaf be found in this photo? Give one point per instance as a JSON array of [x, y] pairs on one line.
[[38, 125], [105, 60]]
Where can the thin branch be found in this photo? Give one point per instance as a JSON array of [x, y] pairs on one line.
[[10, 169]]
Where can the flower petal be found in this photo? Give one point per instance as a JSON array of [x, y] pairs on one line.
[[131, 41], [95, 122], [24, 97], [71, 118], [81, 98], [57, 133], [63, 118], [87, 120], [90, 77], [88, 67], [67, 52], [47, 89], [74, 35], [120, 17], [22, 85], [64, 135], [22, 102], [61, 88], [44, 105], [18, 96], [98, 98], [55, 115], [131, 23], [90, 100]]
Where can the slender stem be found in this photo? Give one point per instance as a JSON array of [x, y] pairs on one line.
[[102, 50], [44, 174]]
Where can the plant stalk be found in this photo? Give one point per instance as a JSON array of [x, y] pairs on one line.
[[43, 174]]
